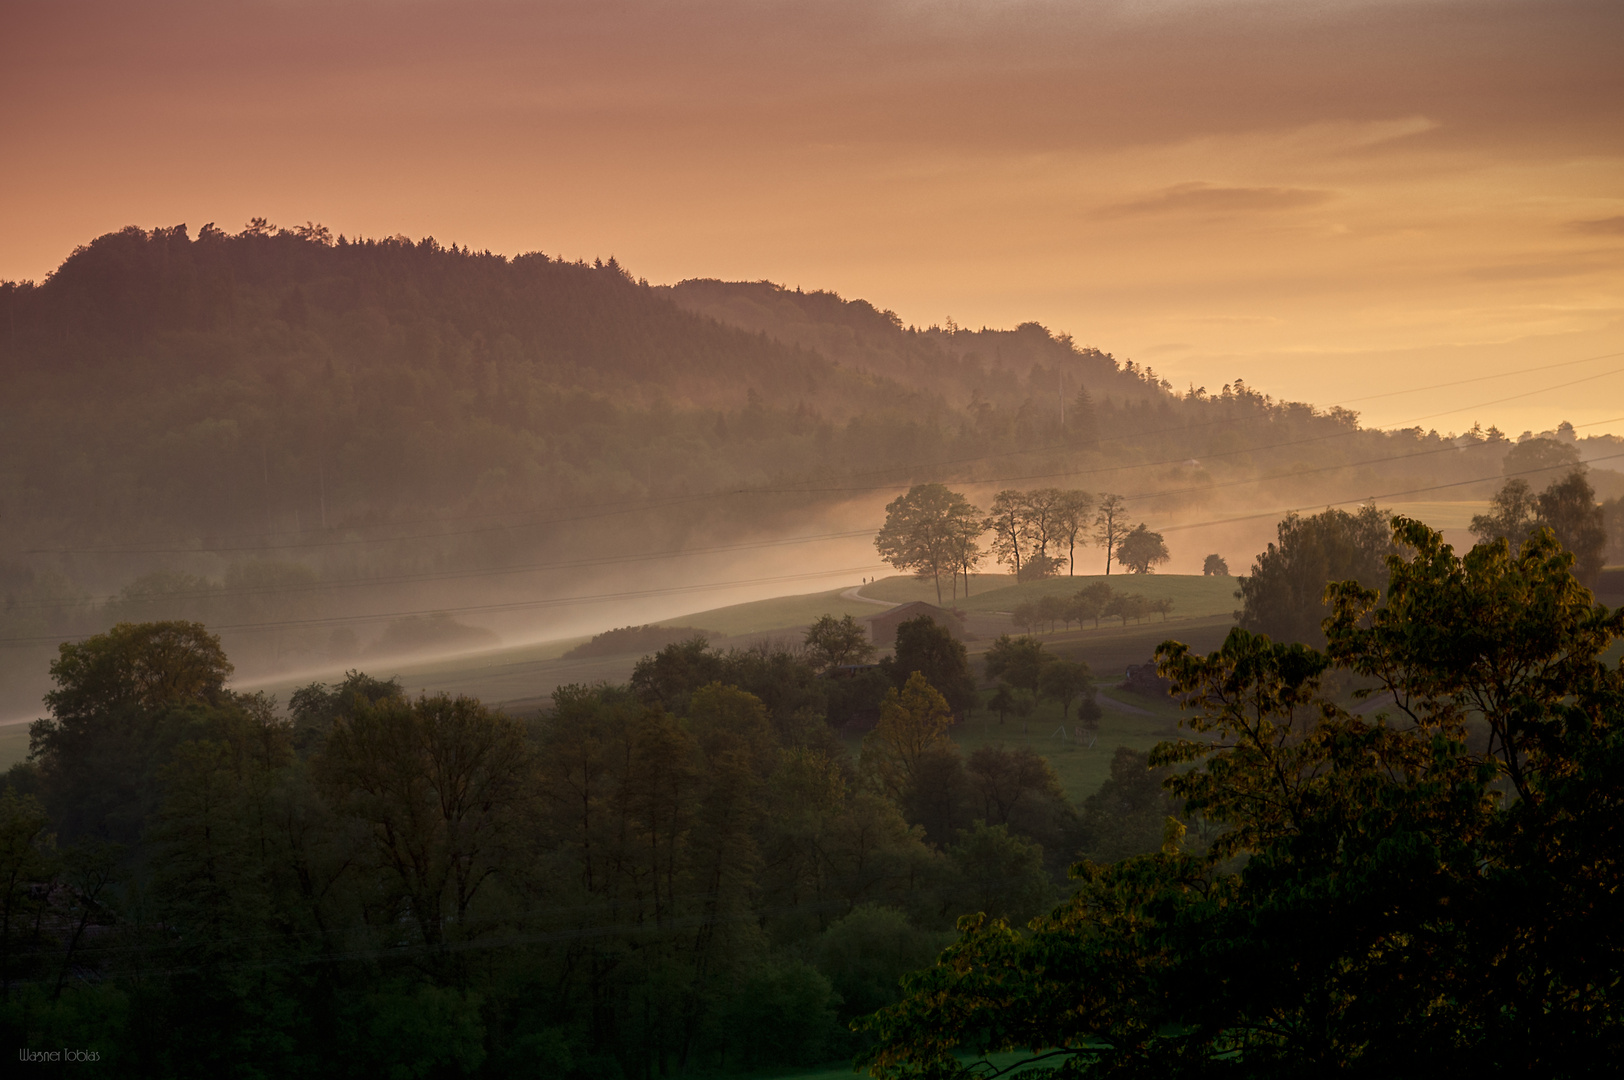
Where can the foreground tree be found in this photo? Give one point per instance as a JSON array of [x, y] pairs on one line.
[[1416, 899], [123, 700], [438, 781], [928, 648], [1018, 661], [913, 724], [1284, 594], [1065, 681]]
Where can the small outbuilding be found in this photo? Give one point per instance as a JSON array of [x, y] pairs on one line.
[[1143, 679], [882, 628]]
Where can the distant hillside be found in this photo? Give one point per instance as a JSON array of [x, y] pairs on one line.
[[280, 381], [635, 639], [997, 367], [264, 428]]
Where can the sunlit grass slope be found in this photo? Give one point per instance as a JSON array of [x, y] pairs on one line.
[[1192, 595], [844, 1071], [779, 613]]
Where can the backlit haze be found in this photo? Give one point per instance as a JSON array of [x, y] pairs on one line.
[[1331, 200]]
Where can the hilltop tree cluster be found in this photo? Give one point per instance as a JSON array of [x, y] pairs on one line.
[[935, 532]]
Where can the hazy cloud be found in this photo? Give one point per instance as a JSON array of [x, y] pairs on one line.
[[1024, 159], [1201, 198]]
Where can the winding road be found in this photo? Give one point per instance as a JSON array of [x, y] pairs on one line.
[[853, 594]]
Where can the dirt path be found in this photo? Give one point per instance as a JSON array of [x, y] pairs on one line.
[[853, 594]]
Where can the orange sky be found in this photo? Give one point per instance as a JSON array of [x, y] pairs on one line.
[[1329, 199]]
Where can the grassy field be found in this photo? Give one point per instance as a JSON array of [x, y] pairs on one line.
[[846, 1072], [779, 613], [1192, 595], [522, 677], [1128, 719]]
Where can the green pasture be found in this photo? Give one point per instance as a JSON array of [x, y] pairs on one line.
[[1192, 594], [846, 1072], [779, 613]]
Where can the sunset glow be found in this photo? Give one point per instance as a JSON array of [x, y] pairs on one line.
[[1311, 197]]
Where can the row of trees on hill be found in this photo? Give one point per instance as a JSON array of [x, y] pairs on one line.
[[936, 532], [1089, 604]]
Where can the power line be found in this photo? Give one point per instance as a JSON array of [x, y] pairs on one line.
[[512, 605], [1514, 397], [637, 594], [619, 507], [497, 571], [1480, 378], [444, 575]]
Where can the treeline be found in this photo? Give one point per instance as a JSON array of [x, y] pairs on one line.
[[1091, 603], [631, 639], [934, 532], [687, 874]]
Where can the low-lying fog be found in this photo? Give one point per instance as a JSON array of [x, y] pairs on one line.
[[591, 585]]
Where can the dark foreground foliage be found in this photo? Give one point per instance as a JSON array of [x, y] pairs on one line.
[[688, 875], [1431, 889]]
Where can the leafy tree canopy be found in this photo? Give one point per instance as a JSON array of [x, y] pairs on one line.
[[1426, 888], [832, 642], [1141, 550], [1284, 594], [925, 646]]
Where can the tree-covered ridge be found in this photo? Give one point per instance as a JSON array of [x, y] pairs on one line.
[[972, 365], [225, 388]]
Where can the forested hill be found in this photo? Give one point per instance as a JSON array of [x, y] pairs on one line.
[[959, 364], [277, 379]]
